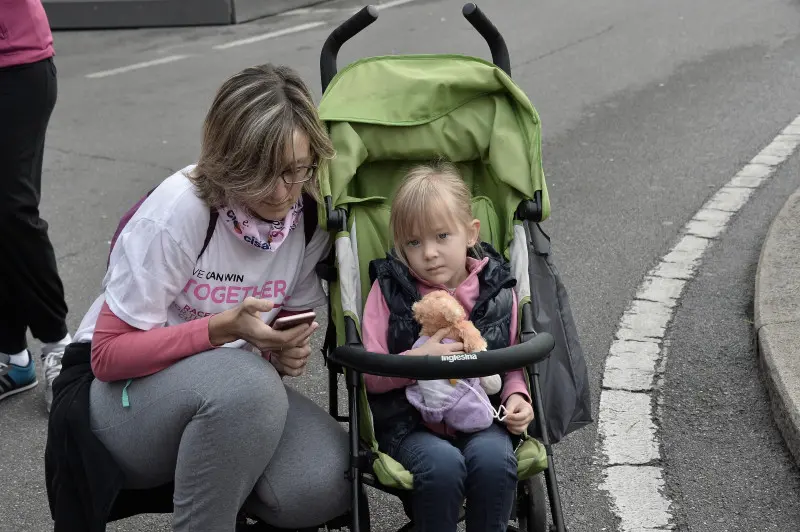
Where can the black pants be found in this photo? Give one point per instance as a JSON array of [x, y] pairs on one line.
[[31, 292]]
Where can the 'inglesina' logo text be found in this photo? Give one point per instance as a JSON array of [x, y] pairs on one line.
[[463, 356]]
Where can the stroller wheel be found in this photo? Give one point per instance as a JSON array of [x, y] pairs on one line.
[[531, 505]]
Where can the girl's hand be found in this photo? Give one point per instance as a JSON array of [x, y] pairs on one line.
[[244, 322], [434, 346], [519, 414]]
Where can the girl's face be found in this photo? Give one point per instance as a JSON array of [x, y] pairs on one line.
[[438, 254], [297, 169]]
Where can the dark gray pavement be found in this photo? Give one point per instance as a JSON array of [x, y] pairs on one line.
[[647, 108]]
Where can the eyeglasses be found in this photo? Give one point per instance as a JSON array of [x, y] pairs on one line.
[[300, 174]]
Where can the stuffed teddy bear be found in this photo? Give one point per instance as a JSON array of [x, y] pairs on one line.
[[439, 310], [463, 404]]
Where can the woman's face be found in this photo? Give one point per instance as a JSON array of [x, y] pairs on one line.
[[289, 185]]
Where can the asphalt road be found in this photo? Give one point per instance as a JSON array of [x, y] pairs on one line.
[[647, 107]]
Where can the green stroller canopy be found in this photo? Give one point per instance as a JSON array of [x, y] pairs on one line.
[[387, 113]]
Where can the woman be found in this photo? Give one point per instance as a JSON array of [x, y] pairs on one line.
[[188, 373]]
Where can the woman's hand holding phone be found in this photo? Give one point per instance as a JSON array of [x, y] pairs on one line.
[[288, 322], [245, 322], [292, 360]]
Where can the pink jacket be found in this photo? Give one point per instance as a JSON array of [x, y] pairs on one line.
[[375, 327], [24, 33]]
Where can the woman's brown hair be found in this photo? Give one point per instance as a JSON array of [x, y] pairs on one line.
[[248, 130]]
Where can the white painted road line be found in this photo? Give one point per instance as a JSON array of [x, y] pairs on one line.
[[324, 10], [241, 42], [393, 3], [627, 429], [271, 35], [136, 66], [303, 27], [311, 11]]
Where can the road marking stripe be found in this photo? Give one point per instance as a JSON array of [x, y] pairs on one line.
[[136, 66], [248, 40], [627, 430], [311, 11], [393, 3], [324, 10], [270, 35]]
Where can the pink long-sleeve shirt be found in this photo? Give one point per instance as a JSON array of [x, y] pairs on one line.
[[121, 351], [375, 328]]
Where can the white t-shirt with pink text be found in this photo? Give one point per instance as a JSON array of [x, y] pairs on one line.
[[154, 280]]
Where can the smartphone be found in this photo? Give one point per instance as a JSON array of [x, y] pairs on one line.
[[287, 322]]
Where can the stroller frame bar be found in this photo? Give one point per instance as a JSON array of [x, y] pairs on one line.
[[527, 331], [497, 45], [346, 31]]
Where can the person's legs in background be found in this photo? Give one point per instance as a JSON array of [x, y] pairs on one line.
[[17, 373], [30, 286]]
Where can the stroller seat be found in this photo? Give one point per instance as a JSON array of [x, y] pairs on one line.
[[386, 114]]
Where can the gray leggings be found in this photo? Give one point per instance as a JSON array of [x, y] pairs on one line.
[[224, 427]]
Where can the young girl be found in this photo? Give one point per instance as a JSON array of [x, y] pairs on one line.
[[437, 247]]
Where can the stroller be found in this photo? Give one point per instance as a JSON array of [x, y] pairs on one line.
[[384, 114]]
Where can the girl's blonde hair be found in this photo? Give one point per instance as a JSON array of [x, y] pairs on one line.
[[247, 131], [427, 192]]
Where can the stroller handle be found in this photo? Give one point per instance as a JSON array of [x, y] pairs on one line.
[[496, 43], [346, 30], [429, 367], [369, 14]]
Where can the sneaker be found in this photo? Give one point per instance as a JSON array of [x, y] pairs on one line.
[[15, 379], [51, 367]]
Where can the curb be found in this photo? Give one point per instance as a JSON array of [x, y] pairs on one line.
[[777, 320]]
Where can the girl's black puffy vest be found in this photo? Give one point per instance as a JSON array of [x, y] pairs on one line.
[[393, 415]]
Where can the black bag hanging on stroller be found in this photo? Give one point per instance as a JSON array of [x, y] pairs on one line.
[[563, 375]]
